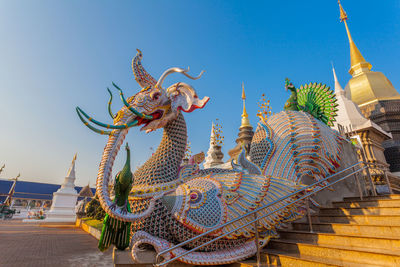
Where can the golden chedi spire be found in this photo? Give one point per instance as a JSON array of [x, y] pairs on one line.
[[366, 86], [245, 116], [358, 63], [245, 132]]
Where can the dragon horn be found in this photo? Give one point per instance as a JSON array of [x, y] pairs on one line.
[[143, 78], [109, 104], [173, 70], [91, 127], [108, 126]]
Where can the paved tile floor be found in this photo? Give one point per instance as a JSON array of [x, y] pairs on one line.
[[24, 244]]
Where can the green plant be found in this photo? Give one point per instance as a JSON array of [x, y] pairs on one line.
[[94, 209]]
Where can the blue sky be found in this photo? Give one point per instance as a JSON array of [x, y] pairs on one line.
[[56, 55]]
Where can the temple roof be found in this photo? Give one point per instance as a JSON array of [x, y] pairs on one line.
[[86, 191], [31, 190]]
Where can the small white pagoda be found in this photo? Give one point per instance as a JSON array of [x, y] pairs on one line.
[[214, 154], [64, 200]]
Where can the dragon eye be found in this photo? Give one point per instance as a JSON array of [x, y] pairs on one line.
[[195, 196], [156, 96]]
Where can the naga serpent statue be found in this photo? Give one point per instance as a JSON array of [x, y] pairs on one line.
[[170, 203]]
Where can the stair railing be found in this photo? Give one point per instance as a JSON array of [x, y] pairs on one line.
[[356, 168], [386, 172]]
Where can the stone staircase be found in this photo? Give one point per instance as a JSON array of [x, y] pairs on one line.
[[352, 232]]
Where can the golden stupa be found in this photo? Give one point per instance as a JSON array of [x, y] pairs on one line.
[[366, 86], [245, 134], [245, 116]]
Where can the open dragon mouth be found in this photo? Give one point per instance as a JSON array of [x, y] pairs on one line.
[[156, 115]]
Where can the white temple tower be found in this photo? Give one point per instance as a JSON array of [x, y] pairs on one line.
[[64, 200], [214, 153], [368, 133]]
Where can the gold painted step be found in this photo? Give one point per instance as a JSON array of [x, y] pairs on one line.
[[394, 196], [352, 233], [383, 242], [360, 211], [375, 256], [387, 220], [351, 229], [285, 259], [384, 203]]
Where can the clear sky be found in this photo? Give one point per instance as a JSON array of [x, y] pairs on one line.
[[55, 55]]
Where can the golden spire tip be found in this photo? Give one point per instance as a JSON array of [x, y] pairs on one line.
[[357, 62], [243, 93], [343, 15], [245, 119]]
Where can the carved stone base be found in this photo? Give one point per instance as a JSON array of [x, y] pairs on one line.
[[371, 140], [386, 113]]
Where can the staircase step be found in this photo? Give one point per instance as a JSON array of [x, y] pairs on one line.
[[361, 211], [359, 255], [249, 263], [283, 258], [393, 196], [390, 203], [387, 220], [351, 229], [390, 243]]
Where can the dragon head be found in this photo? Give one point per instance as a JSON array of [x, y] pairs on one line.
[[153, 106]]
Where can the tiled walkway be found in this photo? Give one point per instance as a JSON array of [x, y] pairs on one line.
[[23, 244]]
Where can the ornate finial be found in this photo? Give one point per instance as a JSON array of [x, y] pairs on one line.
[[265, 109], [198, 158], [217, 137], [16, 177], [73, 160], [245, 116], [343, 15], [188, 150]]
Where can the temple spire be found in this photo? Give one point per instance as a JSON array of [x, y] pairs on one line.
[[338, 88], [214, 154], [357, 61], [245, 132], [245, 116], [71, 171]]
